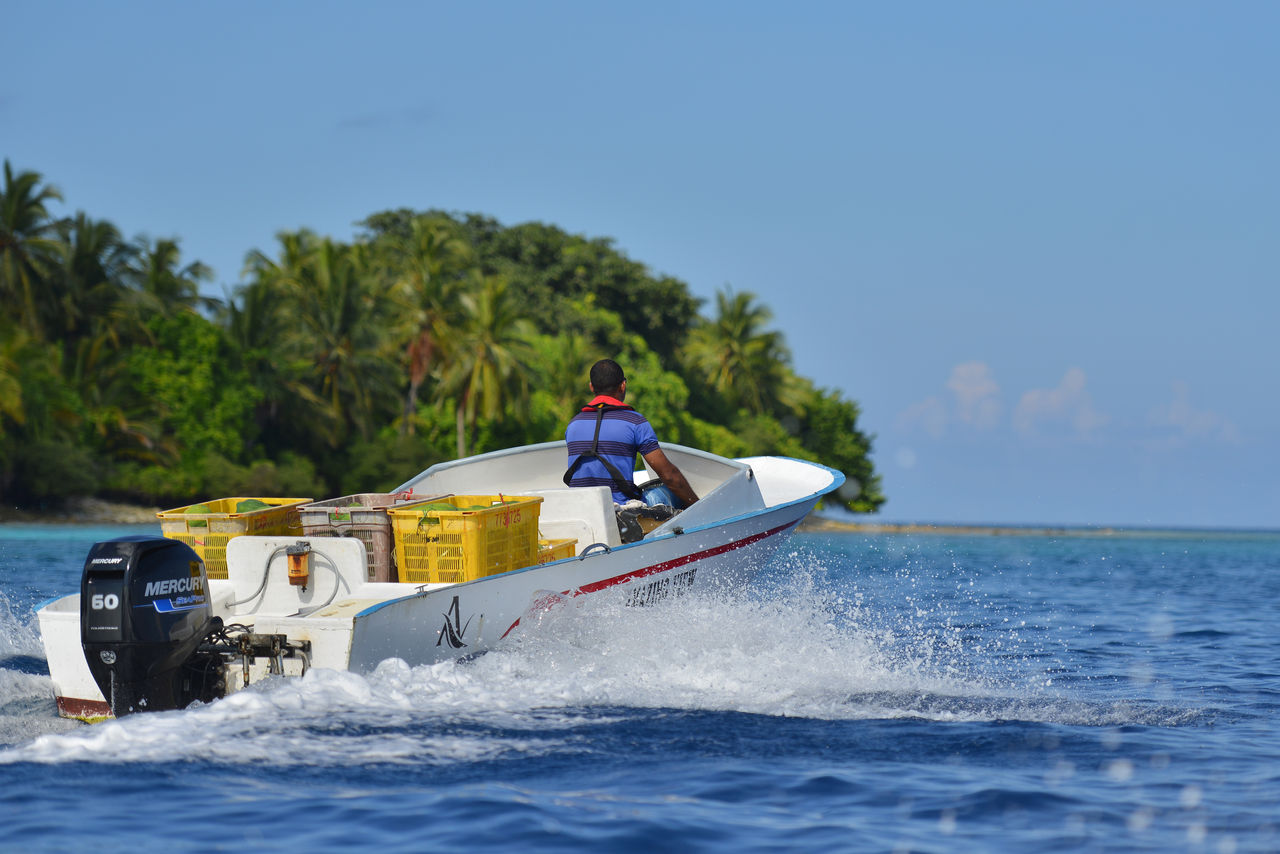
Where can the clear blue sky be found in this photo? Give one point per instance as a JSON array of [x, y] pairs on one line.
[[1038, 242]]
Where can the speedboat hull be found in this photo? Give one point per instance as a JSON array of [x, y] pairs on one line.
[[348, 623], [467, 618]]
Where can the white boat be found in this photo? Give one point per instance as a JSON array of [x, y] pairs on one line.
[[341, 620]]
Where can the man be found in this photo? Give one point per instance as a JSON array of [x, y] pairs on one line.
[[605, 436]]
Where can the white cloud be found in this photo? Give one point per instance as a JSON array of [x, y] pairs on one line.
[[1178, 423], [1067, 406], [972, 404], [974, 400], [977, 395], [930, 414]]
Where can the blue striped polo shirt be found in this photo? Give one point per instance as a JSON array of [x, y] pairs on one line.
[[623, 434]]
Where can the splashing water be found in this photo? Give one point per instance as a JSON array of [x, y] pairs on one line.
[[801, 649]]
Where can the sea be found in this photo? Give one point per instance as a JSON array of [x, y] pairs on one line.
[[877, 692]]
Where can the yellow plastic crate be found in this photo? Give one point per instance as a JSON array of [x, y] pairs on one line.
[[549, 550], [482, 535], [208, 533]]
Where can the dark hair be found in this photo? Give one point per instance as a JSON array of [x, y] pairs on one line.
[[606, 376]]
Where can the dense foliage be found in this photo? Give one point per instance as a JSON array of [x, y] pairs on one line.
[[337, 368]]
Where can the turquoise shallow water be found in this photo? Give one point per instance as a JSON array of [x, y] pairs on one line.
[[869, 693]]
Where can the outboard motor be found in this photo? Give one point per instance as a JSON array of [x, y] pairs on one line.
[[144, 611]]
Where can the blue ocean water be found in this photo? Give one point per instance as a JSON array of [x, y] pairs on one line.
[[871, 693]]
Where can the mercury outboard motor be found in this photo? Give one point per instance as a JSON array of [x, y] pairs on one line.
[[144, 610]]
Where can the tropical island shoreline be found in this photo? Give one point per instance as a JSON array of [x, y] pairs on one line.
[[816, 523], [98, 511], [83, 511]]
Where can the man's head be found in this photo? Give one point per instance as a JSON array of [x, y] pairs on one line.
[[607, 378]]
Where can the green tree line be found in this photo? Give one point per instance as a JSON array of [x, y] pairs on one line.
[[335, 368]]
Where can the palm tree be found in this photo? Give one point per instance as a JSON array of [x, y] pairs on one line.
[[92, 300], [29, 245], [91, 290], [746, 364], [490, 356], [156, 284], [12, 343], [342, 313], [563, 371], [255, 320], [296, 249], [263, 323], [163, 287], [427, 266], [124, 423]]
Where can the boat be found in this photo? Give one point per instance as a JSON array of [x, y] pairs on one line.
[[150, 630]]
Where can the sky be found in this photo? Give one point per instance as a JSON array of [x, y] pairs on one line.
[[1037, 243]]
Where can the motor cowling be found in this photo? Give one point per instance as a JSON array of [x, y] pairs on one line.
[[144, 610]]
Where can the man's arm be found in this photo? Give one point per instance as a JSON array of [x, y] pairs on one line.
[[671, 476]]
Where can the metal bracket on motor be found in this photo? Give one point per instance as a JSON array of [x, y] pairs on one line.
[[250, 645], [227, 644]]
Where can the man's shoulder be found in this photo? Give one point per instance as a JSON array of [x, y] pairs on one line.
[[628, 414], [630, 420]]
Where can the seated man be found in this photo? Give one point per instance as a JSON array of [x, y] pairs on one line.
[[605, 436]]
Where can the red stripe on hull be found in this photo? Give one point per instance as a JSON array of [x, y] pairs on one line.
[[597, 586]]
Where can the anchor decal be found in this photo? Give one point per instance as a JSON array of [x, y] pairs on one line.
[[453, 629]]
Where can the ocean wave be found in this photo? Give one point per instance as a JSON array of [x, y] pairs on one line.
[[806, 650]]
